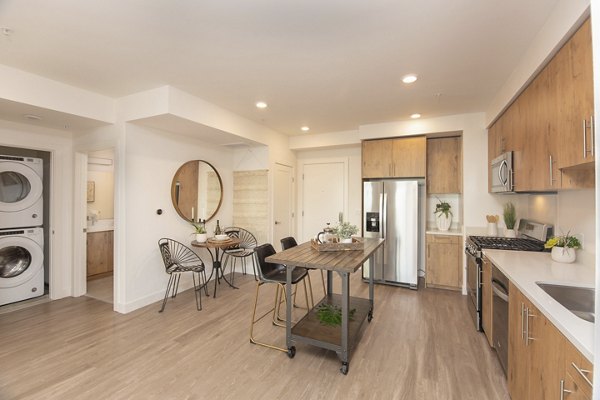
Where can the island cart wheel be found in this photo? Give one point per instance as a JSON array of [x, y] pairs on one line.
[[291, 352], [370, 315], [344, 369]]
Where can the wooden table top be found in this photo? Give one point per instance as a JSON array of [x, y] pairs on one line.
[[217, 243], [342, 261]]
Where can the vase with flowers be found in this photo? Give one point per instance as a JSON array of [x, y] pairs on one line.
[[563, 248]]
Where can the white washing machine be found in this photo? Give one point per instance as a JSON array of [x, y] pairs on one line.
[[21, 188], [21, 264]]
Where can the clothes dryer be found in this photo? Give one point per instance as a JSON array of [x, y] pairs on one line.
[[21, 189], [21, 264]]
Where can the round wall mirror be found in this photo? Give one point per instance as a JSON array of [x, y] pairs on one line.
[[197, 191]]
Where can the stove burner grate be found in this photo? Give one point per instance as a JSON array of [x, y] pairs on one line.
[[502, 243]]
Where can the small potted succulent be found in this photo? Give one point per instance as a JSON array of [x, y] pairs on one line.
[[344, 231], [563, 248], [443, 215], [510, 219], [200, 231]]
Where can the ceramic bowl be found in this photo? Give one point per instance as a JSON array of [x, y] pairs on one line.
[[221, 237]]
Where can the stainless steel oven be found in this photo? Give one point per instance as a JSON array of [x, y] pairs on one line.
[[474, 286]]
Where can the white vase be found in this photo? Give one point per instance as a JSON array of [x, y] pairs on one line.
[[201, 237], [443, 222], [492, 229], [346, 240], [563, 254], [510, 233]]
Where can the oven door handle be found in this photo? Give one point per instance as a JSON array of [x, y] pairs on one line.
[[499, 291]]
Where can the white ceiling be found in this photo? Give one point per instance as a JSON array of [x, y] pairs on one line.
[[332, 65]]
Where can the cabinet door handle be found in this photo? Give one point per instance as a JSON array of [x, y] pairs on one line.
[[551, 177], [583, 373], [592, 133], [563, 390], [584, 138], [528, 338], [522, 323]]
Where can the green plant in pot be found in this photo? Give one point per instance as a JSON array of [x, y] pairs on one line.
[[344, 231], [200, 231], [510, 219], [563, 247], [443, 215]]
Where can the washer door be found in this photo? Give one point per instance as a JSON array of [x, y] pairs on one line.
[[20, 186], [20, 259]]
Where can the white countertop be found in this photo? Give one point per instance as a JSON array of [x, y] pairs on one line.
[[524, 269], [101, 225], [450, 232]]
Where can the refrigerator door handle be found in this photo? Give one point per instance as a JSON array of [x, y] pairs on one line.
[[384, 213]]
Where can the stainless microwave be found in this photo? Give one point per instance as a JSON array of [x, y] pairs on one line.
[[502, 174]]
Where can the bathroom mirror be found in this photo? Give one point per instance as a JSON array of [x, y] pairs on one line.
[[196, 190]]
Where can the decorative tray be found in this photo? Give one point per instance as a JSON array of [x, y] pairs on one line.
[[217, 241], [357, 244]]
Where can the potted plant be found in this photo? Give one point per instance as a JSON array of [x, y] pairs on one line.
[[344, 231], [563, 248], [510, 219], [200, 231], [443, 215]]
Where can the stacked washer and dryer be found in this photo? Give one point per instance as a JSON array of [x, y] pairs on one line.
[[21, 228]]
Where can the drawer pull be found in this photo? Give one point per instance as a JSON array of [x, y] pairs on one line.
[[583, 373], [563, 390]]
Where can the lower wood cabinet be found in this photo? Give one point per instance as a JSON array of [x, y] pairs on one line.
[[444, 262], [540, 358], [99, 253]]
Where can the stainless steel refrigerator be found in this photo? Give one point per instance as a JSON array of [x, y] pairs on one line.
[[392, 210]]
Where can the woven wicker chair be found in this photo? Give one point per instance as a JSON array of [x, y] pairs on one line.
[[241, 252], [178, 259]]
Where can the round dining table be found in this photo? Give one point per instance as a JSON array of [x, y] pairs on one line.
[[216, 249]]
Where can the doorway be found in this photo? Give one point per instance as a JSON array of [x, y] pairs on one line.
[[282, 202], [98, 221], [324, 194]]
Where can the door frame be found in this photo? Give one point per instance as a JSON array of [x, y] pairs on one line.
[[328, 160], [293, 219], [80, 224]]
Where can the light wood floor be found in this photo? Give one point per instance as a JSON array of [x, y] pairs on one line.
[[101, 289], [420, 345]]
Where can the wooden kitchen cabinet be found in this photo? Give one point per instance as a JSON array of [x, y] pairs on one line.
[[444, 262], [99, 253], [444, 165], [544, 126], [486, 300], [394, 158], [578, 377]]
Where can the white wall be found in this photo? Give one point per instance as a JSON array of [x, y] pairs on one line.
[[60, 145], [152, 158]]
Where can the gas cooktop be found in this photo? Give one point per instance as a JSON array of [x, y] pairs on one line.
[[503, 243]]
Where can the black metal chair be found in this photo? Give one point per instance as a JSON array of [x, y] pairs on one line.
[[242, 251], [273, 273], [178, 258], [289, 242]]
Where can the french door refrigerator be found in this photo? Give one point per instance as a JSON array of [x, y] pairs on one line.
[[391, 210]]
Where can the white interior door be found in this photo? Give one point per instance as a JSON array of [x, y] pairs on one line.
[[324, 194], [282, 204]]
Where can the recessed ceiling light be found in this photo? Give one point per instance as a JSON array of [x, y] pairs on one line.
[[305, 129], [261, 104], [409, 78], [415, 116], [32, 117]]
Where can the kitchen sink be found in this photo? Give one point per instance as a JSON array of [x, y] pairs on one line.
[[579, 300]]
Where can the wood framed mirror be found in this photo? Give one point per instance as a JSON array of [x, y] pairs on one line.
[[197, 190]]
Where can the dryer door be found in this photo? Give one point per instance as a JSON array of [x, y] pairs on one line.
[[20, 259], [20, 186]]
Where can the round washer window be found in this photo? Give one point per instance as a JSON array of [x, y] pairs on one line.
[[14, 260], [14, 187]]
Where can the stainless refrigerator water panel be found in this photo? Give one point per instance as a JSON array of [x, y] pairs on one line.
[[391, 210]]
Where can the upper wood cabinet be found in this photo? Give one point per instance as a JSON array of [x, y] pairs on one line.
[[394, 158], [444, 165], [548, 126]]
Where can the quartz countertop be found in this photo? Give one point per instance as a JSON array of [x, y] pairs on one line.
[[524, 269], [451, 232], [101, 225]]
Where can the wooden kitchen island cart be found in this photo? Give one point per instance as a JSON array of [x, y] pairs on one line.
[[309, 329]]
